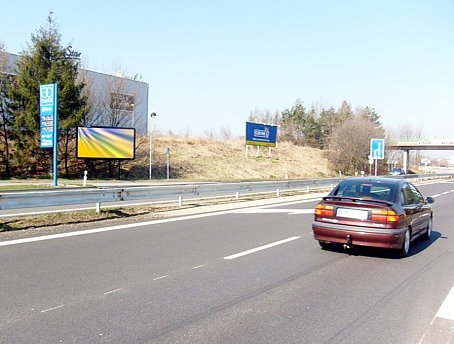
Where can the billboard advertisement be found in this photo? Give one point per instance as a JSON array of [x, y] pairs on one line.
[[258, 134], [47, 114], [105, 143]]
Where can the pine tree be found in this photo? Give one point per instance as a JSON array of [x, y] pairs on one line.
[[45, 62]]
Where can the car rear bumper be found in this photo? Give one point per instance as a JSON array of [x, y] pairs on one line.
[[358, 236]]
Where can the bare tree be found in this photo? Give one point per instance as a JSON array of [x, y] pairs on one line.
[[226, 134], [265, 116], [114, 100], [350, 144], [404, 133]]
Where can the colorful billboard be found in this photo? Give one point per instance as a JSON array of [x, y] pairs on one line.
[[105, 143], [258, 134]]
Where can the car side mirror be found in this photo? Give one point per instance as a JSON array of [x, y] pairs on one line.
[[429, 200]]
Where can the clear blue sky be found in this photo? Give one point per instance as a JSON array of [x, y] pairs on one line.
[[210, 63]]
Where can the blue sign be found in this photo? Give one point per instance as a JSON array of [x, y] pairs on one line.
[[261, 134], [377, 148], [47, 114]]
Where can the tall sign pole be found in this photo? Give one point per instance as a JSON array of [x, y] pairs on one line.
[[48, 112]]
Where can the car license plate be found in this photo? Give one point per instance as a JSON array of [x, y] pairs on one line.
[[352, 213]]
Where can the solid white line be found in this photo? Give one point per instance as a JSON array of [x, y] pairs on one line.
[[51, 309], [233, 256], [446, 310], [110, 292], [158, 278], [134, 225], [271, 211]]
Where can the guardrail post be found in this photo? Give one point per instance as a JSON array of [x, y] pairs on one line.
[[180, 201], [85, 178], [98, 207], [237, 195], [278, 193], [307, 189]]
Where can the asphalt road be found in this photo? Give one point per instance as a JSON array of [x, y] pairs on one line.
[[246, 275]]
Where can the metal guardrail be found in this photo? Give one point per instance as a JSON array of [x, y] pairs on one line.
[[34, 199]]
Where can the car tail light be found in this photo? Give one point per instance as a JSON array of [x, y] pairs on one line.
[[324, 210], [384, 215]]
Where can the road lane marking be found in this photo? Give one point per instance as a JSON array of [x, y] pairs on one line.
[[51, 309], [446, 310], [275, 211], [233, 256], [198, 267], [140, 224], [158, 278], [112, 291]]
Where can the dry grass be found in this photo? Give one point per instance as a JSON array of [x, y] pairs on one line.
[[217, 160]]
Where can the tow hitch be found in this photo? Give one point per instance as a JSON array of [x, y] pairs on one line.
[[348, 245]]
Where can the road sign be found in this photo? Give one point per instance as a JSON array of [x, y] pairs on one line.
[[48, 109], [377, 148]]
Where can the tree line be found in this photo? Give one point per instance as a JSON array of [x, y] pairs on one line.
[[343, 134]]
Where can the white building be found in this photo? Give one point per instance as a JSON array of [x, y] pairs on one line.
[[115, 100]]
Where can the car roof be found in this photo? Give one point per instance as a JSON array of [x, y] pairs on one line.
[[374, 180]]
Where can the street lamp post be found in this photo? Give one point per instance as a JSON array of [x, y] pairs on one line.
[[150, 139]]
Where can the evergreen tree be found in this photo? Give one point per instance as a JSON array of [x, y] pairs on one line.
[[5, 113], [45, 62], [293, 123]]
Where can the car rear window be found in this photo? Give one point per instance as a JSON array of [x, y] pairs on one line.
[[378, 191]]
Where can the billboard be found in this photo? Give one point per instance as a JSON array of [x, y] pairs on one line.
[[105, 143], [258, 134], [48, 99]]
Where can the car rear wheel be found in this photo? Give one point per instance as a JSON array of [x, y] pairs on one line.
[[429, 229], [406, 244]]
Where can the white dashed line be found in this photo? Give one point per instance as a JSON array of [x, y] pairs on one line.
[[233, 256], [112, 291], [51, 309], [158, 278]]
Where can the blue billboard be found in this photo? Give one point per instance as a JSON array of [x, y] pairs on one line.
[[47, 114], [258, 134]]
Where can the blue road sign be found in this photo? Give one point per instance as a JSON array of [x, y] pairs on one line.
[[377, 148]]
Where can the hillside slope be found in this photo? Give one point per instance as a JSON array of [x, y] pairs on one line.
[[218, 160]]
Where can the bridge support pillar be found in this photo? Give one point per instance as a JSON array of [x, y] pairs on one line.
[[406, 160]]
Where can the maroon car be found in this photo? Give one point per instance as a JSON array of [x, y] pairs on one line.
[[377, 212]]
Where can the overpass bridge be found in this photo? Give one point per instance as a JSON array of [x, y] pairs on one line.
[[407, 146]]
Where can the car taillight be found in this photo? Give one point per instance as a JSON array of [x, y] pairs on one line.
[[324, 210], [384, 215]]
